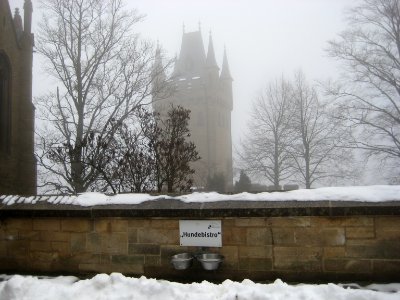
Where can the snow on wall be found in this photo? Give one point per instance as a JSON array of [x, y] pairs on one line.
[[377, 193]]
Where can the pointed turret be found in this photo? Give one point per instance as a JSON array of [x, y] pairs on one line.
[[158, 69], [158, 74], [226, 83], [211, 62], [18, 23], [28, 16], [225, 72]]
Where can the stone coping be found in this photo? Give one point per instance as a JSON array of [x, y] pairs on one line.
[[168, 208]]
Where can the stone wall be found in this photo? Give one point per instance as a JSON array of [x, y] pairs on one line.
[[294, 248]]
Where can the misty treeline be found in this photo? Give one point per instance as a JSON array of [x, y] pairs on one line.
[[294, 137], [97, 132], [297, 134], [367, 95]]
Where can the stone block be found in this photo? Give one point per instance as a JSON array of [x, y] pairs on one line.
[[49, 224], [21, 224], [164, 223], [151, 249], [128, 259], [44, 256], [250, 222], [255, 251], [111, 225], [319, 237], [348, 265], [139, 223], [297, 264], [388, 222], [152, 260], [358, 221], [158, 236], [283, 236], [77, 258], [93, 242], [115, 243], [132, 235], [333, 236], [32, 235], [381, 249], [78, 242], [360, 232], [60, 247], [260, 264], [323, 222], [334, 252], [300, 252], [234, 236], [40, 246], [76, 225], [289, 222], [259, 236], [226, 223], [18, 248], [56, 236], [388, 234], [255, 264]]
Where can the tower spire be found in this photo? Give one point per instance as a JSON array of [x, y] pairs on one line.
[[210, 60], [28, 16], [158, 72], [225, 72]]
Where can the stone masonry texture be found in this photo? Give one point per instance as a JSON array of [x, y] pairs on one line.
[[292, 248]]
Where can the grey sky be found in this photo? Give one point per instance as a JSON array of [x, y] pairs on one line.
[[264, 39]]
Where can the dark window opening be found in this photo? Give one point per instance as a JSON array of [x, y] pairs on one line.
[[5, 104]]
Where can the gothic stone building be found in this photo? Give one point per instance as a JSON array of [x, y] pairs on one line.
[[198, 85], [17, 162]]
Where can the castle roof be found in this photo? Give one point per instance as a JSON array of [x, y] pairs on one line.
[[192, 56]]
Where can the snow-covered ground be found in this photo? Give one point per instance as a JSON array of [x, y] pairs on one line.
[[377, 193], [117, 286]]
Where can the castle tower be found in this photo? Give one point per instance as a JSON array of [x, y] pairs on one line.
[[17, 161], [199, 86]]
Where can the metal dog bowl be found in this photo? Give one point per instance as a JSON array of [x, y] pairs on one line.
[[182, 261], [210, 261]]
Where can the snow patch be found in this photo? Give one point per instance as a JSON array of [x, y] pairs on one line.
[[117, 286]]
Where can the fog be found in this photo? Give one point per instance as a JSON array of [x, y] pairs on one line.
[[264, 39]]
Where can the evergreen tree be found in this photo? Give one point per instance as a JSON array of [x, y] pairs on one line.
[[244, 183]]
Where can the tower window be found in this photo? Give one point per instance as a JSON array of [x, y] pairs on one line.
[[5, 104]]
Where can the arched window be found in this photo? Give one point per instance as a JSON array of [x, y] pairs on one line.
[[5, 104]]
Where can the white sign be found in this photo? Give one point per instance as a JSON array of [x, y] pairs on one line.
[[200, 233]]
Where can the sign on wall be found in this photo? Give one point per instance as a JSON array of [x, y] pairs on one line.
[[201, 233]]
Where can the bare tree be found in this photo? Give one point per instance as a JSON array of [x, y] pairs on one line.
[[369, 93], [104, 73], [265, 149], [319, 150]]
